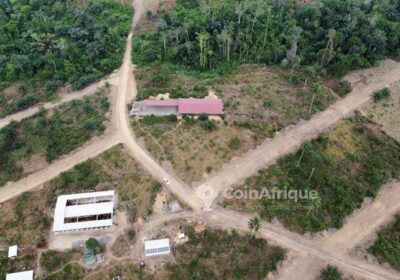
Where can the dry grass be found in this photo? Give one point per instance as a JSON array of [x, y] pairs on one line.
[[192, 150], [387, 112], [258, 101]]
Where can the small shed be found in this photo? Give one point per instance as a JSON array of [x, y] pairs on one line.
[[157, 247], [13, 252], [23, 275]]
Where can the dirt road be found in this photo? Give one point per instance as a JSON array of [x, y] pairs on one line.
[[126, 92], [360, 227], [35, 180], [49, 105], [221, 218], [289, 140]]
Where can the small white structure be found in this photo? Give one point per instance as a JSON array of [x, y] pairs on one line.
[[13, 252], [181, 235], [24, 275], [157, 247], [84, 211]]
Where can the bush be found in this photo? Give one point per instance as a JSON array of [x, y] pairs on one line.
[[331, 273], [208, 125], [93, 244], [234, 143], [381, 94]]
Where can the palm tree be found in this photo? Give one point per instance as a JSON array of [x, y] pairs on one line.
[[254, 226]]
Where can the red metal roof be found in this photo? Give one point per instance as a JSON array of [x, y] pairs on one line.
[[200, 106]]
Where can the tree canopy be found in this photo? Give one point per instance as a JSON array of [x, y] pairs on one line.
[[48, 43], [332, 35]]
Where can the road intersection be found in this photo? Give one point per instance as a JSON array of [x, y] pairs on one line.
[[334, 248]]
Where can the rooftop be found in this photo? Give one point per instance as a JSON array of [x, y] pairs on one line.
[[13, 251], [24, 275], [83, 205]]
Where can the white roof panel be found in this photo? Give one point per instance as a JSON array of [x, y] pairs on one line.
[[13, 251], [63, 211], [157, 247], [24, 275], [88, 209]]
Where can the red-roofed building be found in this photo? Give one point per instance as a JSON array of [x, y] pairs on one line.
[[181, 106]]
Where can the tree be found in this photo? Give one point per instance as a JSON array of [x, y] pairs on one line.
[[331, 273], [254, 226], [93, 244]]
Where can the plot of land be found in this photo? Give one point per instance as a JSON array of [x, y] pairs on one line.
[[387, 247], [29, 145], [344, 166], [208, 254], [387, 112], [257, 103], [114, 169]]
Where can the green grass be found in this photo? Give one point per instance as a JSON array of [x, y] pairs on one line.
[[387, 247], [223, 255], [344, 166], [51, 134]]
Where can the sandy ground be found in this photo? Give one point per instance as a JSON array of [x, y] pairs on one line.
[[387, 112]]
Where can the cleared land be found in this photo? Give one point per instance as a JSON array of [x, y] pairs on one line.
[[344, 166], [209, 254], [257, 103], [114, 169], [33, 143], [387, 112]]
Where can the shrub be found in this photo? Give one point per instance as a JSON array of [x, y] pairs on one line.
[[331, 273], [234, 143], [208, 125], [93, 244], [381, 94]]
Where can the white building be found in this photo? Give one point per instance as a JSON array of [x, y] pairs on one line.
[[157, 247], [24, 275], [13, 252], [84, 211]]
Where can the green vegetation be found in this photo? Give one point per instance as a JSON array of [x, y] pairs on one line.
[[26, 259], [50, 135], [343, 166], [387, 247], [381, 94], [53, 260], [222, 255], [47, 43], [330, 273], [331, 36], [93, 244]]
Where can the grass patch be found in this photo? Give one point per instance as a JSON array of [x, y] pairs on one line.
[[344, 166], [191, 148], [51, 260], [222, 255], [50, 134], [387, 248]]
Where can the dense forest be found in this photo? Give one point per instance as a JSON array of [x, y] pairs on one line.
[[47, 43], [334, 36]]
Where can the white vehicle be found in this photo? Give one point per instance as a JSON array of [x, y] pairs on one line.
[[166, 180]]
